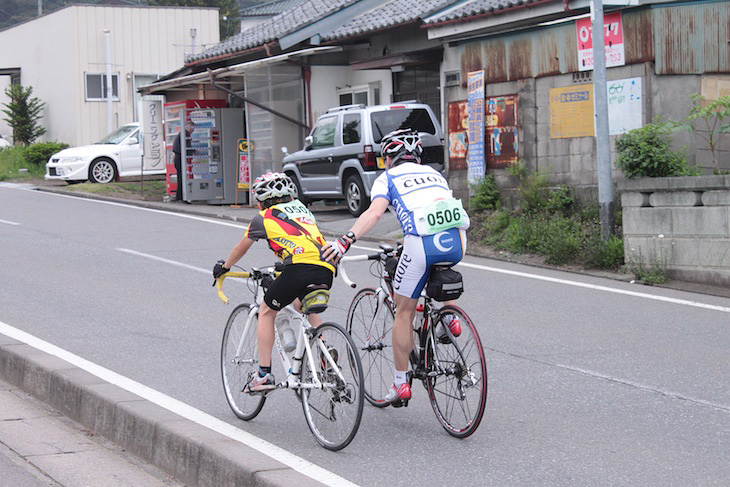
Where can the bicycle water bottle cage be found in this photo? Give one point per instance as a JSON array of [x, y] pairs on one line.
[[316, 298]]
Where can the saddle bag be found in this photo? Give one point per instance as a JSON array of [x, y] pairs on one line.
[[444, 283], [315, 299]]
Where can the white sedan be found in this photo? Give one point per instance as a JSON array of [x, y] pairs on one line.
[[119, 154]]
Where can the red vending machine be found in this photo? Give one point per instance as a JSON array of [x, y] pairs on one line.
[[176, 115]]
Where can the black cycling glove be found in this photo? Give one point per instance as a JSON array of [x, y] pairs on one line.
[[219, 269]]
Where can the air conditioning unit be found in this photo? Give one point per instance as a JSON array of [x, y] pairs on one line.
[[452, 78]]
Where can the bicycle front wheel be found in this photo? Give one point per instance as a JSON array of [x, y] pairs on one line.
[[240, 361], [334, 410], [457, 383], [371, 326]]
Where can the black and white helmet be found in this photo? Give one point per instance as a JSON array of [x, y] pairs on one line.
[[273, 185], [402, 146]]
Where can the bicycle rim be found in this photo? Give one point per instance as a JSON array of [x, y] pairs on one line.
[[371, 328], [238, 370], [333, 413], [458, 390]]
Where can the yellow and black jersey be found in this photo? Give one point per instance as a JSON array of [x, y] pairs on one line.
[[292, 233]]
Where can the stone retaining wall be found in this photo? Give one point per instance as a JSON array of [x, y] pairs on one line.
[[684, 222]]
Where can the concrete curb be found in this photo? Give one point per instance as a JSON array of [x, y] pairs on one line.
[[193, 454]]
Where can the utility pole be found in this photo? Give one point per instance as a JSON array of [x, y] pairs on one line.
[[109, 86], [40, 8], [603, 144]]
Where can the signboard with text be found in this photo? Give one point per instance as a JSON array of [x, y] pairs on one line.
[[625, 105], [571, 112], [153, 147], [614, 40], [475, 109], [244, 163]]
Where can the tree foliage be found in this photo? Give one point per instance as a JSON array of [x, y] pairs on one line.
[[710, 121], [646, 152], [23, 113]]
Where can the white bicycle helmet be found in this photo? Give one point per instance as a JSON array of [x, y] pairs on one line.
[[273, 185], [402, 146]]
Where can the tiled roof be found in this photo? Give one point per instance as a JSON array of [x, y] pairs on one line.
[[274, 28], [269, 8], [390, 13], [475, 7]]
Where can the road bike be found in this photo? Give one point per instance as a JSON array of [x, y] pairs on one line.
[[325, 369], [452, 369]]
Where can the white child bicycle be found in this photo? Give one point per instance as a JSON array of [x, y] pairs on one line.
[[325, 369]]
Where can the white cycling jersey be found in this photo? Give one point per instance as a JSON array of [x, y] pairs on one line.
[[409, 187]]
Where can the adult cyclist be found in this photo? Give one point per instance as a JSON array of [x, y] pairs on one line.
[[292, 233], [411, 190]]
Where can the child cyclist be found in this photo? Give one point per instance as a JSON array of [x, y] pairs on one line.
[[292, 233]]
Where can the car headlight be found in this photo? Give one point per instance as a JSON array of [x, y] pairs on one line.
[[66, 160]]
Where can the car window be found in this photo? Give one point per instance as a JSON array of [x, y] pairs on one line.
[[386, 121], [351, 128], [118, 135], [323, 134]]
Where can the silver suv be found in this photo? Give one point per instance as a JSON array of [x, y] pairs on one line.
[[341, 156]]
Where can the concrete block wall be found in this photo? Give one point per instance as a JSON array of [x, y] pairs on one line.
[[681, 222]]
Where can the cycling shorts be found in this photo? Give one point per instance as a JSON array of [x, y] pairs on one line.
[[292, 283], [420, 253]]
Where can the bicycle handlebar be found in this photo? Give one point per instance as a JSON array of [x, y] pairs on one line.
[[219, 282], [353, 258]]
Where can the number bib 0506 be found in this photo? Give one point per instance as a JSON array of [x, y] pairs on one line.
[[439, 216]]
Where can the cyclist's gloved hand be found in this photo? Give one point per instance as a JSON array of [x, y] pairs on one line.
[[337, 249], [219, 269]]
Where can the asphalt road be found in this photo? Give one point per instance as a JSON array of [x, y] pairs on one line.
[[591, 381]]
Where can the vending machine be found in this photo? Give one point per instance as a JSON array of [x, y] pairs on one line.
[[211, 155], [176, 116]]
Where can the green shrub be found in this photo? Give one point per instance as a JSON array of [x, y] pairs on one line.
[[38, 154], [646, 152], [655, 271], [560, 200], [12, 160], [558, 240], [601, 254], [486, 195], [532, 187]]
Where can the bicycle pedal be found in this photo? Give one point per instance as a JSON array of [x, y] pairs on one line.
[[400, 403]]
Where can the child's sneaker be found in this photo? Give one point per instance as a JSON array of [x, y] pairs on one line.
[[258, 384], [398, 394]]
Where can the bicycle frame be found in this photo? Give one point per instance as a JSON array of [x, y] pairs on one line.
[[293, 379]]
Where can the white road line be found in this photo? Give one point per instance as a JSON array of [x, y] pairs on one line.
[[9, 222], [684, 302], [178, 407], [166, 261]]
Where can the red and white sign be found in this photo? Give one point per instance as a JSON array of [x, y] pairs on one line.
[[614, 39]]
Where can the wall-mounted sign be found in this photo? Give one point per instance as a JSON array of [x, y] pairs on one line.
[[625, 105], [458, 141], [614, 40], [475, 108], [502, 134], [571, 112], [153, 147]]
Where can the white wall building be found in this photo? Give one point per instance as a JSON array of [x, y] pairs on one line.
[[62, 55]]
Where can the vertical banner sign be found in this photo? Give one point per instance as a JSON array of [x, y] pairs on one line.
[[614, 38], [153, 148], [625, 106], [458, 126], [475, 108], [571, 112], [244, 163]]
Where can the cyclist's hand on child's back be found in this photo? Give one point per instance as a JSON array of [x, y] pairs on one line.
[[219, 269]]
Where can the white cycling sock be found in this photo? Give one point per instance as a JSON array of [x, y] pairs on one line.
[[400, 377]]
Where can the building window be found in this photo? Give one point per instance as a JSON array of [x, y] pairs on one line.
[[420, 83], [368, 94], [96, 87]]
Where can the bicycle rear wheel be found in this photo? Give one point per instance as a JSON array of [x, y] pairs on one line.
[[333, 412], [239, 367], [458, 389], [371, 328]]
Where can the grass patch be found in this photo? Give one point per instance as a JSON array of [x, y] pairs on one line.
[[653, 271], [14, 165]]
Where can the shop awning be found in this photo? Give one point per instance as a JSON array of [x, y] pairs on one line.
[[220, 74]]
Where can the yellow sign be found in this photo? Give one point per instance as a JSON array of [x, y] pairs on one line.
[[571, 112], [245, 145], [381, 163]]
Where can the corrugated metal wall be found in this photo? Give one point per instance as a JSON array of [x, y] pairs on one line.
[[693, 38]]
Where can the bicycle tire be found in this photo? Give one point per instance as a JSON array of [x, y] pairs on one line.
[[458, 390], [236, 372], [334, 412], [373, 337]]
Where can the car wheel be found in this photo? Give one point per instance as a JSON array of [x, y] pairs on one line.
[[355, 197], [102, 171], [300, 196]]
